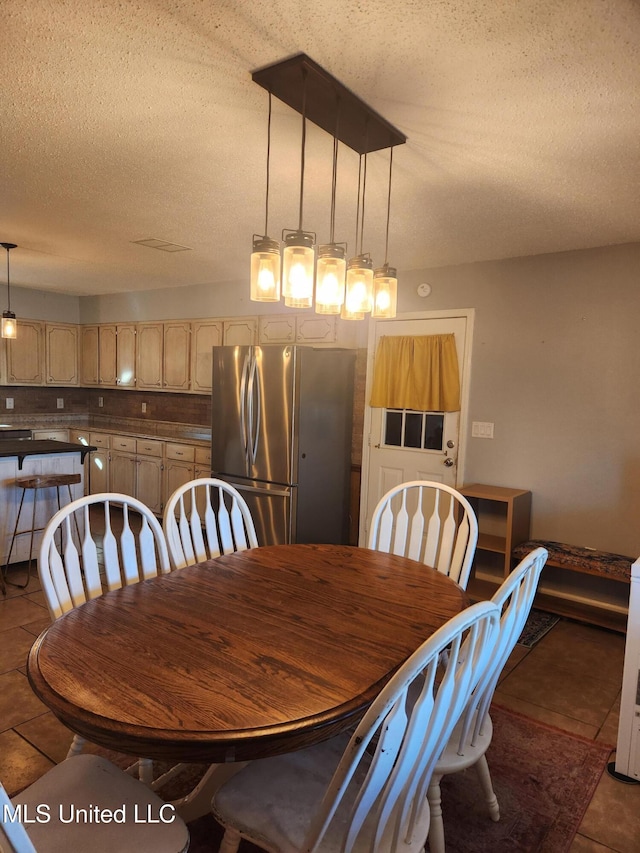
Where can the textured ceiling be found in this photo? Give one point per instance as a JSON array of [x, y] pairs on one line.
[[129, 120]]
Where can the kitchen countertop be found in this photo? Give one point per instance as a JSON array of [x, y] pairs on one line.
[[40, 447]]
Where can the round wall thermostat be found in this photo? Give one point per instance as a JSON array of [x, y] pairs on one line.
[[424, 289]]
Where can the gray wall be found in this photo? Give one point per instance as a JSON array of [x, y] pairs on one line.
[[555, 368]]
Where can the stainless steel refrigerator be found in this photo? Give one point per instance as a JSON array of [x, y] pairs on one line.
[[281, 434]]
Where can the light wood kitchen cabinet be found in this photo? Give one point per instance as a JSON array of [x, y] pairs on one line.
[[314, 329], [61, 354], [149, 356], [176, 356], [81, 436], [240, 331], [107, 356], [205, 334], [25, 354], [126, 355], [98, 355], [122, 473], [277, 329], [89, 355], [51, 434], [99, 463], [179, 467], [134, 473]]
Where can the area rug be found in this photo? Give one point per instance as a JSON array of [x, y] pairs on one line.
[[544, 779], [537, 625]]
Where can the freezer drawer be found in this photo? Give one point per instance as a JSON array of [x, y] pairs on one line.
[[272, 508]]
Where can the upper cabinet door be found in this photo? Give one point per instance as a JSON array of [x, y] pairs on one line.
[[25, 354], [149, 356], [241, 331], [62, 354], [126, 355], [107, 355], [176, 361], [89, 355], [205, 335]]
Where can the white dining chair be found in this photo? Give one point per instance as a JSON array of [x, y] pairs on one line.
[[91, 783], [365, 791], [472, 736], [205, 518], [96, 543], [429, 522]]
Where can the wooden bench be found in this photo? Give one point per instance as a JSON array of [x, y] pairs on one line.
[[587, 561]]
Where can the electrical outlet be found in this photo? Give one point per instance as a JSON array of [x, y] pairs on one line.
[[480, 429], [61, 402], [101, 401], [144, 408], [9, 402]]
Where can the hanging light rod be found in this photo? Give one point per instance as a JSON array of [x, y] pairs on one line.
[[360, 128]]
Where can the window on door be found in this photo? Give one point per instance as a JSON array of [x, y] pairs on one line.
[[417, 430]]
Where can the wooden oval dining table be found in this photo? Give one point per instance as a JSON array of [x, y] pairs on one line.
[[244, 656]]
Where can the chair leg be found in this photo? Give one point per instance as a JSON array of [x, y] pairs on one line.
[[231, 841], [436, 827], [77, 745], [482, 769], [145, 771]]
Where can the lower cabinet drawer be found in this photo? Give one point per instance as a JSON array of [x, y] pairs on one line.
[[183, 452], [149, 447]]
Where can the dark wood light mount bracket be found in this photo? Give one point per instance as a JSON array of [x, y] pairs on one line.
[[359, 127]]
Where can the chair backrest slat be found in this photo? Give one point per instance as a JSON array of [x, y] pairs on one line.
[[69, 578], [12, 831], [205, 518], [429, 522]]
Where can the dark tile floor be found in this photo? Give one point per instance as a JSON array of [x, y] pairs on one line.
[[570, 679]]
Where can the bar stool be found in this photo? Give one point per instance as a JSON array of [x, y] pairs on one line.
[[36, 482]]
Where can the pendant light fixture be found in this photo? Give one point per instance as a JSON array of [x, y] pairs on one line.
[[385, 278], [331, 265], [265, 258], [316, 95], [359, 283], [298, 257], [9, 324]]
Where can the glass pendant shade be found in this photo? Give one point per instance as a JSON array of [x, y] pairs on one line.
[[9, 325], [359, 288], [298, 259], [330, 278], [385, 293], [265, 270]]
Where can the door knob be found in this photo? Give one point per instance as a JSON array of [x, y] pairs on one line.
[[449, 463]]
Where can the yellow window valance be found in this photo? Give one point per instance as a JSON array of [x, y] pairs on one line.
[[417, 372]]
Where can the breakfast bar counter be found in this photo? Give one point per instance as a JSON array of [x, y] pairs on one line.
[[33, 458]]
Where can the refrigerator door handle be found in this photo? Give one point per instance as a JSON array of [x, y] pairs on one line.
[[256, 406], [243, 410], [241, 487]]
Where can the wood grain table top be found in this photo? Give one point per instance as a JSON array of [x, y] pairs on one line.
[[245, 656]]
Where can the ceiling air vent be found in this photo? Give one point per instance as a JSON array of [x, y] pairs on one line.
[[152, 243]]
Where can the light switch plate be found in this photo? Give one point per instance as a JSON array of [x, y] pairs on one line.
[[61, 402], [481, 429], [9, 402]]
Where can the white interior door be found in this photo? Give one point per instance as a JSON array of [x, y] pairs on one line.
[[402, 445]]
